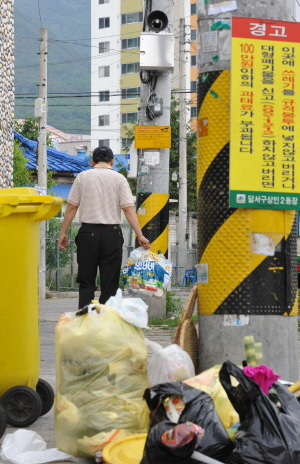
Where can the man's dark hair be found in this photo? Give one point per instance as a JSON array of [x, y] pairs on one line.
[[103, 154]]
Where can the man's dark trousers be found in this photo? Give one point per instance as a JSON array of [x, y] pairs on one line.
[[98, 245]]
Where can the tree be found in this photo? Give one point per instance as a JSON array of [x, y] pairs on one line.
[[29, 128], [21, 174], [122, 170]]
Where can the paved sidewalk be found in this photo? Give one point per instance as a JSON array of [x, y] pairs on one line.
[[49, 314]]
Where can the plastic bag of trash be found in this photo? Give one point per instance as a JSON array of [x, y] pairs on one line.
[[146, 272], [169, 364], [101, 376], [132, 310], [209, 382], [198, 409], [27, 447], [266, 435]]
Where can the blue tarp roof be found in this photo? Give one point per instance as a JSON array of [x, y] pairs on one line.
[[56, 160]]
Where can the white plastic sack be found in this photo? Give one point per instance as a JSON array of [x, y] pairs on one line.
[[170, 364], [27, 447], [132, 310]]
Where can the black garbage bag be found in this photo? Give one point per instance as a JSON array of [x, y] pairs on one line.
[[199, 409], [266, 435]]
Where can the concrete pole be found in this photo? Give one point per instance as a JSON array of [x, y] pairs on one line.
[[42, 155], [153, 181], [182, 207], [240, 294]]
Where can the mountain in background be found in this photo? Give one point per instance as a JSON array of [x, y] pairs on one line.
[[69, 62]]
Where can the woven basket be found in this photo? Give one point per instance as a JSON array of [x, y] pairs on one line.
[[187, 311], [188, 341]]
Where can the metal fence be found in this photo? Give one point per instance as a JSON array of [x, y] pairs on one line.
[[62, 267], [183, 259]]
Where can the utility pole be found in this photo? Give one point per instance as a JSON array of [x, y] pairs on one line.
[[242, 290], [153, 163], [41, 113], [182, 207]]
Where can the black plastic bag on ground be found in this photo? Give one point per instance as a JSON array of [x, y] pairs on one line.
[[199, 409], [266, 435]]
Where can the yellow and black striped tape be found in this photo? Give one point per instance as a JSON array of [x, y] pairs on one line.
[[153, 217], [239, 281]]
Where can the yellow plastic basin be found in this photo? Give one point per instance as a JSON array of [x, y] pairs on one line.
[[128, 450]]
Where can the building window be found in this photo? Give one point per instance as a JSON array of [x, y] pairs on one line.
[[193, 8], [193, 34], [130, 68], [131, 92], [104, 120], [104, 47], [129, 118], [104, 95], [126, 143], [193, 111], [194, 86], [130, 18], [133, 42], [101, 2], [103, 23], [104, 143], [193, 60], [104, 71]]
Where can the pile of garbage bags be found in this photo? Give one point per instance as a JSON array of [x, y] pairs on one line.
[[108, 389], [266, 433]]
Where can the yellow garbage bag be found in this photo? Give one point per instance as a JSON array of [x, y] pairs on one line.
[[209, 382], [101, 376]]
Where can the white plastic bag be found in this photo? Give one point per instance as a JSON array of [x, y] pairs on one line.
[[132, 310], [27, 447], [170, 364]]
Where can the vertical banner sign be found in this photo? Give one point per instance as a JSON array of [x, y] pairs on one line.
[[265, 114]]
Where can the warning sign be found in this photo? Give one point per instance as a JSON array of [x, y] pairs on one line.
[[265, 110], [152, 136]]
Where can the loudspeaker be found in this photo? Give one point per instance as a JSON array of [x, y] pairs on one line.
[[157, 21]]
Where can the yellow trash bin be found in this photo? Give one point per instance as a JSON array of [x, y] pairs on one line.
[[21, 211]]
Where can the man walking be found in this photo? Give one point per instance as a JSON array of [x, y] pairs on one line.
[[100, 194]]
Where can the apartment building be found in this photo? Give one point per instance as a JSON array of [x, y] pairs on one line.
[[115, 82]]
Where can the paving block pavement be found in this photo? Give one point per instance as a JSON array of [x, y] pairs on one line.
[[50, 311]]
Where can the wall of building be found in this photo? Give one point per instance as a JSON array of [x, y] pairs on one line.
[[111, 83], [6, 92]]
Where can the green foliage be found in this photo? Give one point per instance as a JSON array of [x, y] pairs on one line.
[[173, 303], [174, 158], [30, 129], [157, 321], [53, 231], [21, 175], [122, 170], [50, 181], [129, 132]]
